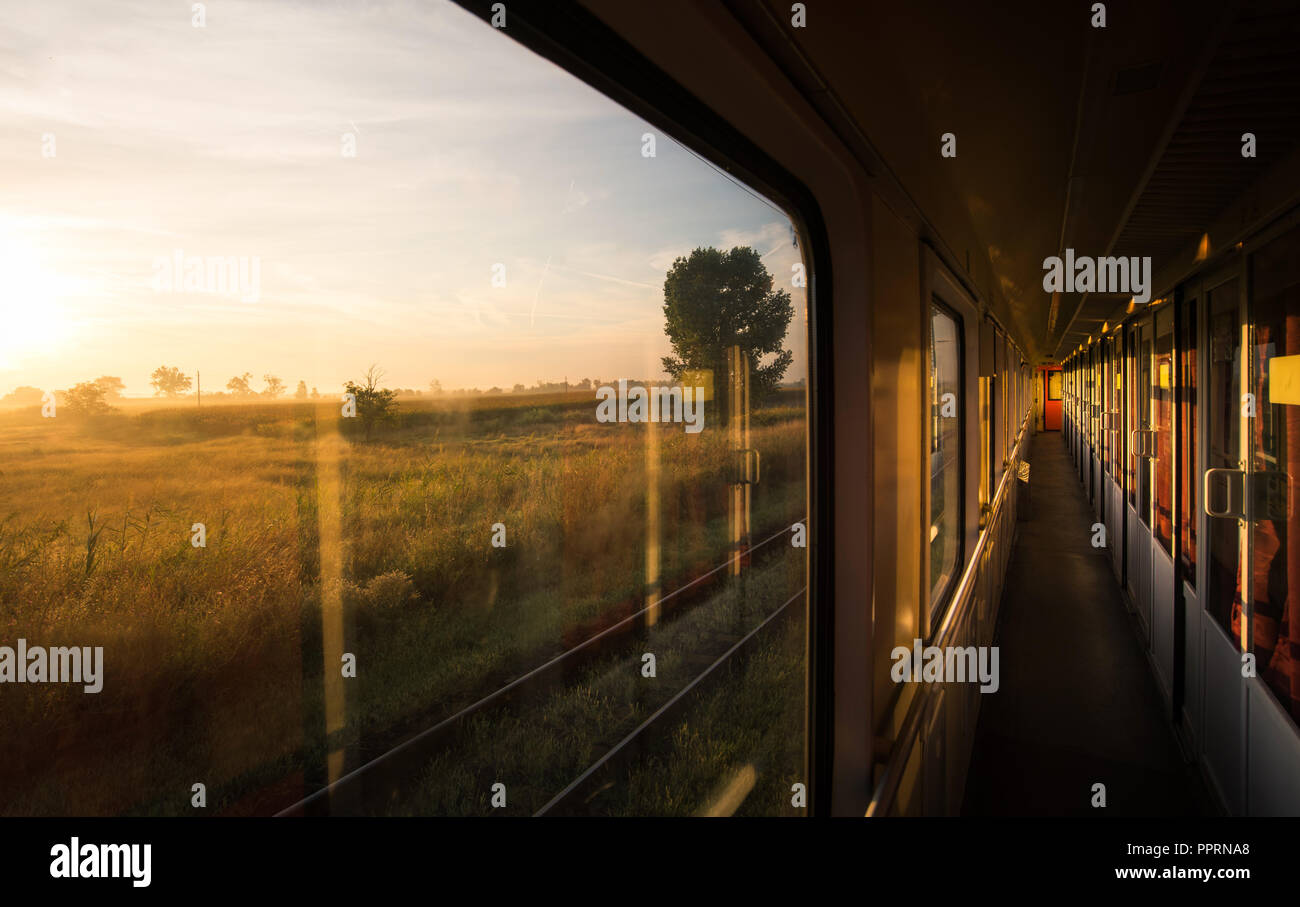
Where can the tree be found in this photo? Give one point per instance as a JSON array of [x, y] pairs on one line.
[[24, 396], [716, 302], [169, 382], [86, 399], [435, 387], [274, 386], [239, 386], [374, 404], [111, 386], [301, 392], [315, 394]]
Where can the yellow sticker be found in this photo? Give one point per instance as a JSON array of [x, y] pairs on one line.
[[1284, 379]]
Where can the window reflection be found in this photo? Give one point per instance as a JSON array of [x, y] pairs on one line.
[[1191, 493], [1276, 606], [945, 454], [1222, 442]]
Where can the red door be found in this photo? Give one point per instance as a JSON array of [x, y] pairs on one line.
[[1051, 399]]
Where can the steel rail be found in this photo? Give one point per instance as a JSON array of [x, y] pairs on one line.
[[487, 700], [664, 709]]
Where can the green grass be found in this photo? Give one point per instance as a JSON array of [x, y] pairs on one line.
[[538, 748], [214, 656]]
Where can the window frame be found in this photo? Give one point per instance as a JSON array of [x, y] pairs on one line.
[[937, 605], [939, 286]]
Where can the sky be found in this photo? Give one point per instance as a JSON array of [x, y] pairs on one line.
[[128, 136]]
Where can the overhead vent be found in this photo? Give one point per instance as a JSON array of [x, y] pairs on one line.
[[1138, 78]]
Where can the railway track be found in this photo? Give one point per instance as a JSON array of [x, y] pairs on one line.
[[571, 794], [383, 776]]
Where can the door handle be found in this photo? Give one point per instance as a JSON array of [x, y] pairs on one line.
[[1270, 495], [1234, 484], [1143, 443]]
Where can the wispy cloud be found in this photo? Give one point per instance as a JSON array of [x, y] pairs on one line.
[[228, 140]]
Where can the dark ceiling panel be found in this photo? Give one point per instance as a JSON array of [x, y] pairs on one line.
[[1252, 84]]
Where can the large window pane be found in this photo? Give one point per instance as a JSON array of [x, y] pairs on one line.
[[1276, 624], [501, 384], [1190, 498], [1163, 423], [1222, 444], [1146, 397], [1133, 413]]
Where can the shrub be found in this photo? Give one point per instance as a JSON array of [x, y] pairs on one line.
[[381, 595]]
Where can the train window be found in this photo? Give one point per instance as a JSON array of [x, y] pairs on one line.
[[1109, 436], [1163, 423], [1276, 637], [1094, 364], [946, 461], [1132, 413], [1008, 399], [578, 463], [1222, 436], [1104, 440], [1020, 390], [985, 417], [1146, 394], [1000, 408], [1189, 498], [1115, 405]]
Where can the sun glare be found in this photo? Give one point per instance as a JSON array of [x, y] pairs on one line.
[[34, 319]]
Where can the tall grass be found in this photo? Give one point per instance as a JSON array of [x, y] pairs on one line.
[[213, 667]]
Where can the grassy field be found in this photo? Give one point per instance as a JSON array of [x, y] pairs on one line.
[[213, 656]]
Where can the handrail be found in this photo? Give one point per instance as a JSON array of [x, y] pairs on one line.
[[887, 789]]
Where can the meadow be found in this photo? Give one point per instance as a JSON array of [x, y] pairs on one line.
[[215, 657]]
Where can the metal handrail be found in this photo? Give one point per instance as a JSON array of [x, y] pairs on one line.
[[887, 789]]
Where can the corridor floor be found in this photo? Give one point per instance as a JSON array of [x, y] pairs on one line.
[[1078, 704]]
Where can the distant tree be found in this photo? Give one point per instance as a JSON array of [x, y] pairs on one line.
[[168, 381], [239, 386], [274, 386], [717, 301], [374, 404], [315, 394], [519, 389], [86, 399], [495, 390], [111, 386], [435, 387], [23, 396], [301, 392]]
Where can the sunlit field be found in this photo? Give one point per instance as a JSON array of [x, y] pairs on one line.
[[214, 665]]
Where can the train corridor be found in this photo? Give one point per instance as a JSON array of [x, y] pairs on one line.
[[1078, 705]]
